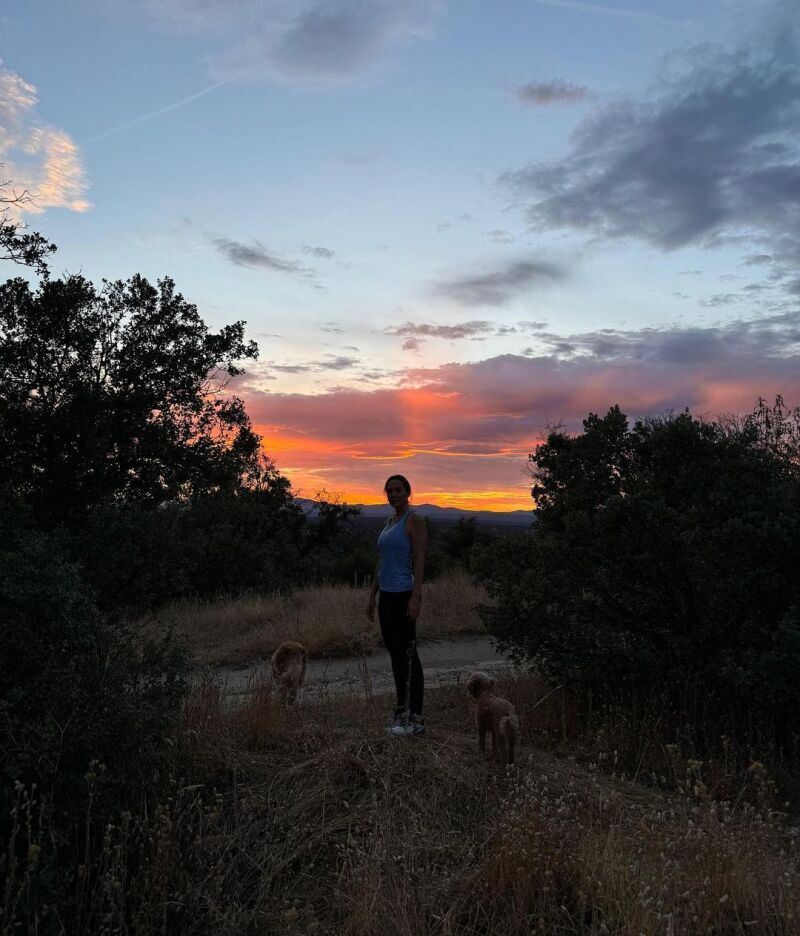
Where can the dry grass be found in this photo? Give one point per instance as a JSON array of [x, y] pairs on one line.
[[327, 619], [309, 819], [585, 855]]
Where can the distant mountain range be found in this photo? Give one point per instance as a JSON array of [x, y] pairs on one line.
[[441, 514]]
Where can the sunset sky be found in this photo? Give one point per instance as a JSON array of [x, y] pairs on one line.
[[447, 225]]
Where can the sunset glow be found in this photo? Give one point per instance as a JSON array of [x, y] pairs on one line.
[[438, 262]]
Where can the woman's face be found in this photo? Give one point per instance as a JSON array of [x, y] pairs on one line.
[[396, 494]]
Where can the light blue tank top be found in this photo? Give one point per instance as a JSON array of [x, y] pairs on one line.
[[395, 566]]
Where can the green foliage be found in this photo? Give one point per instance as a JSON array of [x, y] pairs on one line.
[[436, 560], [136, 559], [662, 552], [461, 542], [73, 687], [120, 429], [346, 558], [117, 395], [79, 695]]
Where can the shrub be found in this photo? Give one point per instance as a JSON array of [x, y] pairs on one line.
[[138, 558], [75, 689], [663, 552]]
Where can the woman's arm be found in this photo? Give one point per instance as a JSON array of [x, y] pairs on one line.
[[419, 547], [373, 591]]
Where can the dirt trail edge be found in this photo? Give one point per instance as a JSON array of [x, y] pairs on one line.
[[443, 662]]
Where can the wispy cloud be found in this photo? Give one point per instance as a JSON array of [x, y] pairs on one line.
[[499, 236], [451, 332], [324, 253], [718, 300], [758, 259], [255, 256], [415, 333], [548, 93], [17, 96], [38, 158], [326, 363], [499, 286], [337, 362], [741, 346], [306, 41]]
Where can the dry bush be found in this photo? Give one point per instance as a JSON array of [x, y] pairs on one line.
[[326, 619]]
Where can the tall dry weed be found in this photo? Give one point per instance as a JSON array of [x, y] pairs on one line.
[[589, 856]]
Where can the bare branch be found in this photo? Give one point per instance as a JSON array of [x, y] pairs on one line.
[[16, 243]]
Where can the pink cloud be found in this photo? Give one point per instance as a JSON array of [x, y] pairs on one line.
[[462, 432], [38, 159]]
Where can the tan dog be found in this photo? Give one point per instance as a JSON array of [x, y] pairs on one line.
[[493, 714], [289, 668]]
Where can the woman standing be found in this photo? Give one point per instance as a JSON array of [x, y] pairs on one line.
[[398, 576]]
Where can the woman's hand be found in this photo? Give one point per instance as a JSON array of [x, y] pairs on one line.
[[371, 607], [414, 603]]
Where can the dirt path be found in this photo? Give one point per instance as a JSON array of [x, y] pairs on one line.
[[443, 662]]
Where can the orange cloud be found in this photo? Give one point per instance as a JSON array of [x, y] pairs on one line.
[[462, 432]]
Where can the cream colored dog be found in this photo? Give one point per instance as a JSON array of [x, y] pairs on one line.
[[288, 664], [493, 714]]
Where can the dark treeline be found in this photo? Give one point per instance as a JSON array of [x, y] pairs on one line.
[[349, 558]]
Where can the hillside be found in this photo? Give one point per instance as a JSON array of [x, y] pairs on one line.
[[310, 820], [445, 515]]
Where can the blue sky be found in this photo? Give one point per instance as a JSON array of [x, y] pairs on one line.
[[446, 224]]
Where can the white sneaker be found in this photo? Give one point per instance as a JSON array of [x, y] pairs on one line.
[[399, 717], [408, 728]]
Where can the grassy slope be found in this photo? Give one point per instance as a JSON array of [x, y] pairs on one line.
[[310, 819]]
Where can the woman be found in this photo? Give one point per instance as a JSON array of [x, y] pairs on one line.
[[398, 576]]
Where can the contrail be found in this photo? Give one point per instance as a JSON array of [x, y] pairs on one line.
[[607, 10], [156, 113]]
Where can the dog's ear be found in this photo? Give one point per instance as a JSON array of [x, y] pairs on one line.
[[492, 683]]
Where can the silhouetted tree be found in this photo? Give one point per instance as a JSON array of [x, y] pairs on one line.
[[17, 244], [460, 541], [118, 395], [662, 552]]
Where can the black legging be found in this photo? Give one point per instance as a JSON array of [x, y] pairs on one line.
[[399, 634]]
